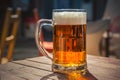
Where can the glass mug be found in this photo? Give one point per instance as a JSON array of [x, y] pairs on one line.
[[69, 40]]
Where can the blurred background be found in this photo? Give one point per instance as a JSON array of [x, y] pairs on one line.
[[18, 20]]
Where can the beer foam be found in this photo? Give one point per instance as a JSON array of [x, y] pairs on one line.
[[69, 18]]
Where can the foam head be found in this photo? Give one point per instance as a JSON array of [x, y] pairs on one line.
[[69, 18]]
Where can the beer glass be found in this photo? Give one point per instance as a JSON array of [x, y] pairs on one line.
[[69, 40]]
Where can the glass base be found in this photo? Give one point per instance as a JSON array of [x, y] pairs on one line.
[[82, 69]]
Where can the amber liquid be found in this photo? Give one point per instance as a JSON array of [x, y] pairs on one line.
[[69, 45]]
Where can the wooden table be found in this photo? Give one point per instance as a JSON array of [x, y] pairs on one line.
[[39, 68]]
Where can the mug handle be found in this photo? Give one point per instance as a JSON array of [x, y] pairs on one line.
[[38, 35]]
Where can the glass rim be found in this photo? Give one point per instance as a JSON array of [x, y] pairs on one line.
[[69, 10]]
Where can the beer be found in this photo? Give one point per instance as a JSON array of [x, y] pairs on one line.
[[69, 44], [69, 36]]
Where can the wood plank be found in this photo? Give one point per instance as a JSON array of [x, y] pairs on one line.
[[101, 67], [9, 68], [24, 72], [52, 76], [30, 73], [103, 59], [40, 69], [8, 76], [104, 68], [42, 59], [104, 72], [37, 65], [45, 66]]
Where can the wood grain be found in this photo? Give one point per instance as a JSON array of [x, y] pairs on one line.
[[8, 76], [39, 68]]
